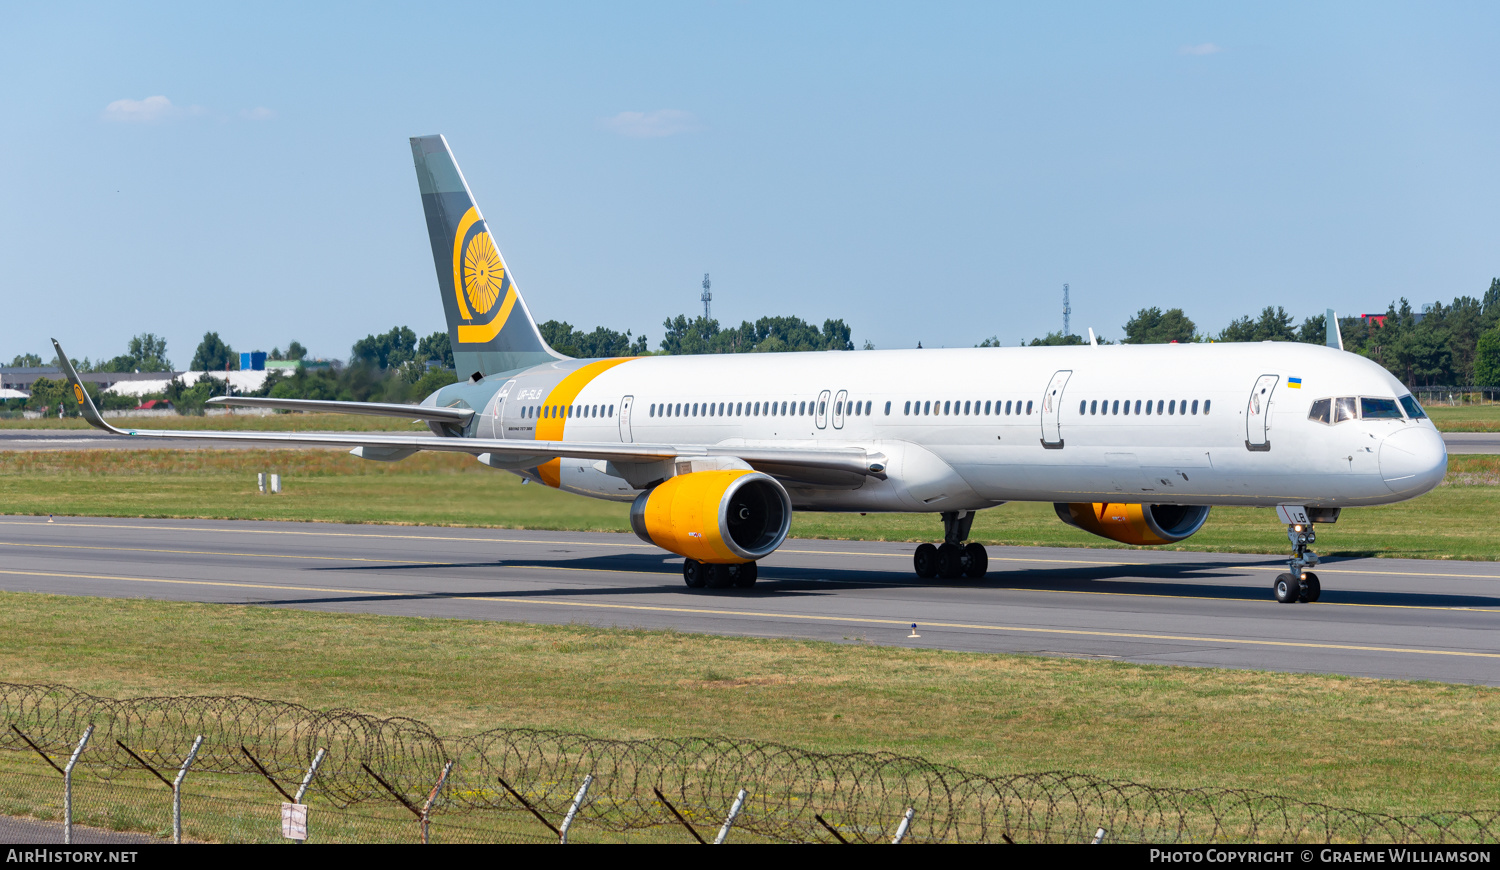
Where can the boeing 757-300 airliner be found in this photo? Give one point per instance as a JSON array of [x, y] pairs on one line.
[[1134, 443]]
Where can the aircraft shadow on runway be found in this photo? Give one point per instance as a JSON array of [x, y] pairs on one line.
[[1192, 579]]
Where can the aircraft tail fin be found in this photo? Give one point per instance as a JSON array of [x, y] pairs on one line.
[[488, 323], [1335, 338]]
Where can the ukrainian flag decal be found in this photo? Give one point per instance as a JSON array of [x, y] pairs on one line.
[[1294, 383]]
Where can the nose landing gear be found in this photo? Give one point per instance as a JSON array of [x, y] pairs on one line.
[[1299, 584], [953, 559]]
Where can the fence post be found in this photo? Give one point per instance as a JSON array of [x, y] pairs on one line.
[[905, 826], [734, 813], [583, 791], [1099, 836], [68, 787], [177, 790], [432, 798], [307, 780]]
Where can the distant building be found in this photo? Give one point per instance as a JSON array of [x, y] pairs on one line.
[[21, 378], [1377, 319]]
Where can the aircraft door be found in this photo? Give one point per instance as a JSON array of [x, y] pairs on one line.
[[625, 404], [1052, 411], [823, 409], [1258, 413], [839, 402]]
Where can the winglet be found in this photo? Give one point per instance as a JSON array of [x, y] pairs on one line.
[[1335, 338], [85, 404]]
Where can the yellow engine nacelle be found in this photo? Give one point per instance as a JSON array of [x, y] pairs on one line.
[[1139, 524], [719, 517]]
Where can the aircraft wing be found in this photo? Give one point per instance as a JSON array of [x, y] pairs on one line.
[[459, 416], [808, 463]]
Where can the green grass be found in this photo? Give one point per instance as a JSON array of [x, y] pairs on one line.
[[236, 422], [1371, 744], [440, 489], [1465, 418]]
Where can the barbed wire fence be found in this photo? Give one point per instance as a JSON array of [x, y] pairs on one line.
[[394, 779]]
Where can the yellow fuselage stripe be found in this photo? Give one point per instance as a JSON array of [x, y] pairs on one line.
[[550, 426]]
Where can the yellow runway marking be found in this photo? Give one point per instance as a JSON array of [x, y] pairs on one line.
[[500, 563], [772, 615], [219, 553], [642, 546]]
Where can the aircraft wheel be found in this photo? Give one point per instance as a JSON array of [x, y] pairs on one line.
[[950, 561], [742, 575], [718, 576], [926, 561], [1287, 589], [978, 561], [695, 573], [1311, 588]]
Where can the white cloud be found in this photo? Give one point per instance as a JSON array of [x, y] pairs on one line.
[[259, 113], [652, 125], [145, 111], [1200, 50]]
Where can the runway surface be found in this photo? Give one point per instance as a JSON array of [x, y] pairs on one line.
[[1378, 617], [93, 439]]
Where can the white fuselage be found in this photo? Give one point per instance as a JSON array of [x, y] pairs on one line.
[[1232, 429]]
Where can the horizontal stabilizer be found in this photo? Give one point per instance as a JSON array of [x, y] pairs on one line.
[[459, 416]]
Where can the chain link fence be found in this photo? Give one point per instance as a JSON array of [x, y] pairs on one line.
[[391, 779]]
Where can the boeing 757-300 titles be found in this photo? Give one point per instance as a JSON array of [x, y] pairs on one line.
[[1135, 443]]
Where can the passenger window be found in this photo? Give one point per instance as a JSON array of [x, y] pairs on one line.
[[1083, 407], [926, 408], [1321, 410], [1206, 403], [946, 407], [1148, 408], [1172, 407], [906, 411], [888, 408], [1116, 408], [1007, 409], [1344, 409], [1379, 409], [1413, 410], [1094, 407], [611, 410], [822, 407], [1028, 408], [1158, 407], [1195, 407]]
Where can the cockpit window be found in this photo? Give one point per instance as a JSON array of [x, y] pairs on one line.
[[1321, 409], [1413, 410], [1379, 409], [1345, 409]]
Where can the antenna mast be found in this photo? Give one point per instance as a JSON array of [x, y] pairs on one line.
[[1067, 309], [706, 298]]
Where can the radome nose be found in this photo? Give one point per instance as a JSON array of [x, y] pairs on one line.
[[1413, 460]]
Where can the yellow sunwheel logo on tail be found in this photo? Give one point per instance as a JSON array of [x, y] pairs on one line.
[[479, 280]]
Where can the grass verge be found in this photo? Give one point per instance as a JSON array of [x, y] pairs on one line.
[[436, 489], [1404, 747], [297, 422]]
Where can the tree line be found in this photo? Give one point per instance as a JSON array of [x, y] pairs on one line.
[[1456, 344]]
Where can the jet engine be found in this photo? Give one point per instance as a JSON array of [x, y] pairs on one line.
[[719, 517], [1140, 524]]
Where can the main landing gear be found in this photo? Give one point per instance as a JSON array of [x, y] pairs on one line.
[[953, 559], [1299, 584], [697, 575]]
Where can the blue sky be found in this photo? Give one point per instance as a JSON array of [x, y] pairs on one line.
[[928, 172]]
